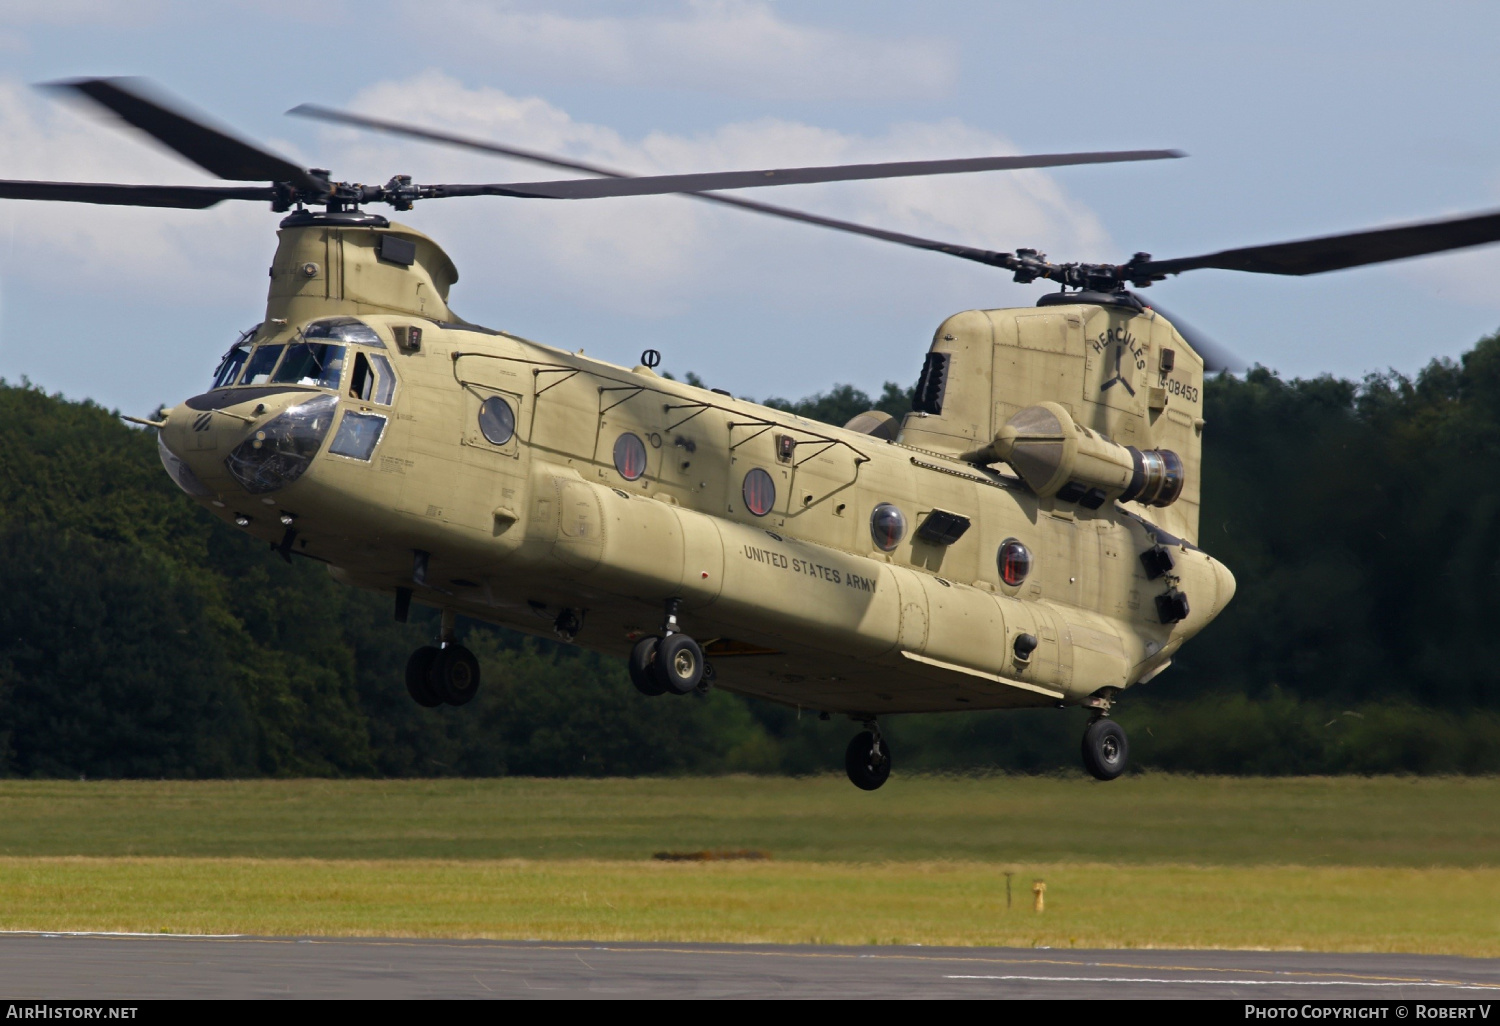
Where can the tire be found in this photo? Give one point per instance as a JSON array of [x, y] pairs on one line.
[[1106, 750], [867, 772], [641, 675], [678, 666], [418, 669], [454, 676]]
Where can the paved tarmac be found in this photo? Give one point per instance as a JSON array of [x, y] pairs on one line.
[[125, 966]]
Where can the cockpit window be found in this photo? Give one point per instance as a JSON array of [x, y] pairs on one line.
[[362, 381], [258, 370], [343, 329], [231, 365], [385, 388], [311, 363], [372, 379]]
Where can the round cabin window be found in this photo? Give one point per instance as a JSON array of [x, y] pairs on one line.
[[759, 492], [630, 456], [497, 420], [1015, 562], [887, 526]]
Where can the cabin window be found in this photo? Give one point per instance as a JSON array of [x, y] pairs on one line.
[[258, 370], [887, 526], [358, 435], [311, 363], [759, 492], [630, 456], [1015, 562], [497, 421]]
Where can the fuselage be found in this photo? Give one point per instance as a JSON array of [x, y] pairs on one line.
[[543, 490]]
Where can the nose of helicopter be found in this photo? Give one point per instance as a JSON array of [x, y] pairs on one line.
[[244, 440]]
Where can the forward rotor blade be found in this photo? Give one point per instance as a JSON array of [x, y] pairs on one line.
[[340, 117], [655, 185], [1353, 249], [313, 111], [1216, 357], [187, 197], [212, 149], [693, 183]]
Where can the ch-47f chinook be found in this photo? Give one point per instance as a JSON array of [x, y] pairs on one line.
[[1026, 537]]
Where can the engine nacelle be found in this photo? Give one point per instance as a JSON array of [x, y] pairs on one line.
[[1057, 456]]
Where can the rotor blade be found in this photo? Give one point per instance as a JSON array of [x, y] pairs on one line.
[[188, 197], [1353, 249], [1216, 357], [659, 184], [312, 110], [655, 185], [212, 149], [982, 256]]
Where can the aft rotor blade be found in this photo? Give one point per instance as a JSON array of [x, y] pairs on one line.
[[1216, 357], [187, 197], [212, 149], [656, 185], [1353, 249]]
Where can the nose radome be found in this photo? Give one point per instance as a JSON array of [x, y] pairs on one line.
[[202, 431]]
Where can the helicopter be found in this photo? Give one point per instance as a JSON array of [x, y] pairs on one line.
[[1026, 537]]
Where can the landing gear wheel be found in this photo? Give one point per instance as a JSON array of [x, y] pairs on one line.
[[867, 760], [454, 676], [678, 666], [1105, 749], [642, 658], [418, 667]]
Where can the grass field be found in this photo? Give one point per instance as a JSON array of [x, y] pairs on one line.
[[1343, 863]]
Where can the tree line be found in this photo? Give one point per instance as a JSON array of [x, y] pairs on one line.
[[141, 637]]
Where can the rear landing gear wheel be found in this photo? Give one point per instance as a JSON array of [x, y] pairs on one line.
[[867, 760], [418, 668], [642, 659], [678, 666], [454, 676], [1106, 751]]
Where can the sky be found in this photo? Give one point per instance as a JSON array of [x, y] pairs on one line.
[[1299, 119]]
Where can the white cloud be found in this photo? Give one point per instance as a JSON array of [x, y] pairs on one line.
[[659, 255], [185, 255], [613, 270], [734, 46]]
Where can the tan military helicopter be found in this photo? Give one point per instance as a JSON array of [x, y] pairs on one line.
[[1025, 537]]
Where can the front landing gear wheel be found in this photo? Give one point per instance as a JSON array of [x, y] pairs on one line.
[[642, 658], [418, 668], [678, 666], [867, 760], [1105, 749], [454, 676]]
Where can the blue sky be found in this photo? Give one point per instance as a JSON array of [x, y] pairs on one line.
[[1299, 118]]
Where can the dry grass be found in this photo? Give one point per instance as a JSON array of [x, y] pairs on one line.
[[1452, 911]]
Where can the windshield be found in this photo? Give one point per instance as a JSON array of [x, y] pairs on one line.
[[229, 367], [311, 363], [258, 371]]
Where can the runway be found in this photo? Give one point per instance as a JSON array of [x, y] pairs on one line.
[[125, 966]]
